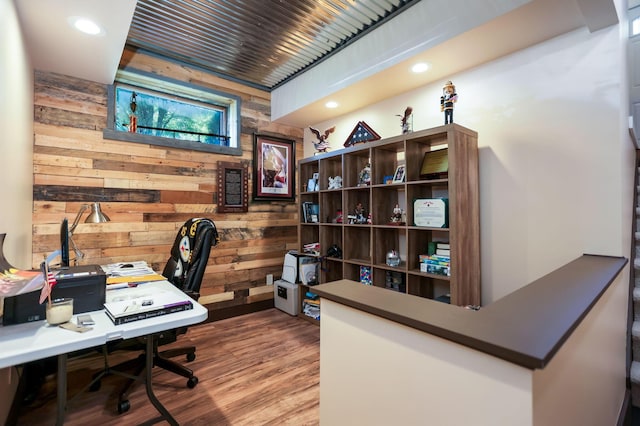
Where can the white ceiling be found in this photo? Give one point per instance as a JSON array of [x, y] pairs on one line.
[[54, 46], [57, 47]]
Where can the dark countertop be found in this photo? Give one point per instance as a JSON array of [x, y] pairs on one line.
[[526, 327]]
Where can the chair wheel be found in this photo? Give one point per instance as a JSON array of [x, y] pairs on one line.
[[95, 386], [192, 382], [191, 356], [123, 406]]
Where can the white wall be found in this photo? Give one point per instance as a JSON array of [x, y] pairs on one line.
[[377, 372], [584, 384], [16, 152], [16, 148], [556, 164]]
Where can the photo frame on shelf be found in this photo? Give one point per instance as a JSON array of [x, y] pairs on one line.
[[398, 176], [273, 168], [233, 187], [313, 184], [310, 212]]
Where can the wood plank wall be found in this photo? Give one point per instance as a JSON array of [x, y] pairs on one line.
[[148, 192]]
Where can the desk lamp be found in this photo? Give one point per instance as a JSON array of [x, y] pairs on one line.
[[95, 216]]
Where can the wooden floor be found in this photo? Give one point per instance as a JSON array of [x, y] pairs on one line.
[[257, 369]]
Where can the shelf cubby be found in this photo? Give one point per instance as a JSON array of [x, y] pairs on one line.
[[330, 168], [331, 202], [354, 162]]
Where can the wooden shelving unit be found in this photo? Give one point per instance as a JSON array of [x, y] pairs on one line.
[[366, 245]]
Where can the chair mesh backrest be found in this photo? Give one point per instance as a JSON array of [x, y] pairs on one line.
[[190, 253]]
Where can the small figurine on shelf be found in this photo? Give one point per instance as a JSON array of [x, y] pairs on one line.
[[364, 178], [393, 258], [358, 216], [322, 144], [334, 251], [406, 120], [335, 182], [396, 217], [448, 98], [338, 218]]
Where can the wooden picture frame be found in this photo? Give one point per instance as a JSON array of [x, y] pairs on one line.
[[398, 176], [233, 187], [273, 168]]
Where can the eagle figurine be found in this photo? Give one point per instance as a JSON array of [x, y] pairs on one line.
[[404, 120], [322, 144]]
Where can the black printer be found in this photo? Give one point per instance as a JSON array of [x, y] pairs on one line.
[[86, 284]]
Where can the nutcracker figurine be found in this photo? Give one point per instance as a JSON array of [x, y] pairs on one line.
[[448, 98]]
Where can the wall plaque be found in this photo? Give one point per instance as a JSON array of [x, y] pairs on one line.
[[435, 164], [233, 187], [431, 212]]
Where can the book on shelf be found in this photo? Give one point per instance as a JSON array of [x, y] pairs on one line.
[[438, 270], [435, 264], [434, 257], [314, 302], [123, 306], [311, 311], [310, 212], [444, 246], [443, 252]]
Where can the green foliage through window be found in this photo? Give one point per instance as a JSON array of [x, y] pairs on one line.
[[163, 116], [172, 113]]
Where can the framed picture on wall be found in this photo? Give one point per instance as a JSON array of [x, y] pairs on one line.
[[273, 168], [233, 187]]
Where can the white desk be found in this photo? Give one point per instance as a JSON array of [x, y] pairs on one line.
[[37, 340]]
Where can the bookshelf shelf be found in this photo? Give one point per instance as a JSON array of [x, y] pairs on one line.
[[365, 244]]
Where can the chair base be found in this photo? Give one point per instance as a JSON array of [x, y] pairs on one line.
[[162, 360]]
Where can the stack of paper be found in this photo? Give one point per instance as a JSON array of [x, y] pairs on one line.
[[132, 272]]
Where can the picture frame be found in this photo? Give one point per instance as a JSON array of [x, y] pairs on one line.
[[398, 175], [233, 187], [313, 184], [273, 168]]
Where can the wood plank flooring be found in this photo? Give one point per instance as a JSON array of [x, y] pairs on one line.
[[257, 369]]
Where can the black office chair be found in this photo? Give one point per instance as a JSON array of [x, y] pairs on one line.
[[185, 269]]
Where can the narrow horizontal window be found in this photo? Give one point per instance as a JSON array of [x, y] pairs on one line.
[[161, 112]]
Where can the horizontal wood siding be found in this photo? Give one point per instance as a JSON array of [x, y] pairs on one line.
[[149, 192]]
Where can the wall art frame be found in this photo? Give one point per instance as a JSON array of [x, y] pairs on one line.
[[274, 161], [233, 187]]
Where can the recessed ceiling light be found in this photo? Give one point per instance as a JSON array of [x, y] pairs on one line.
[[85, 25], [420, 67], [331, 104]]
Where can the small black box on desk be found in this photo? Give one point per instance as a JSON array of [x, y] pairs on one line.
[[86, 284]]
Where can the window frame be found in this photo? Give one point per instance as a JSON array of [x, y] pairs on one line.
[[181, 90]]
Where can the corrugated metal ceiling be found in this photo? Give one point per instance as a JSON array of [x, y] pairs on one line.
[[262, 43]]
